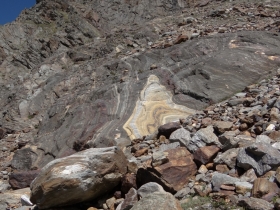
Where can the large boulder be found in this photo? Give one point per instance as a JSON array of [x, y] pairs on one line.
[[79, 177]]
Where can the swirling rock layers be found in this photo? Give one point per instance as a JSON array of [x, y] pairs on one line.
[[67, 86]]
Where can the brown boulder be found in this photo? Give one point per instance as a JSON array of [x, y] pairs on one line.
[[255, 204], [264, 189], [22, 179], [172, 175], [205, 154]]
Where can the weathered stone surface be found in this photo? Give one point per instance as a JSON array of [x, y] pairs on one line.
[[182, 193], [228, 157], [243, 187], [82, 176], [222, 126], [205, 154], [9, 199], [263, 139], [181, 135], [130, 199], [277, 175], [277, 204], [155, 97], [4, 186], [73, 73], [128, 182], [164, 147], [168, 128], [259, 156], [149, 188], [219, 179], [22, 179], [78, 90], [264, 189], [159, 201], [203, 137], [255, 204], [249, 176], [159, 158], [23, 159], [172, 175], [222, 168], [202, 169]]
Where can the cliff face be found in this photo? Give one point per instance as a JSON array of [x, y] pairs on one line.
[[80, 74]]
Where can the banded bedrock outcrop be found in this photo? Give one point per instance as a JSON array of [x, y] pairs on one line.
[[67, 83]]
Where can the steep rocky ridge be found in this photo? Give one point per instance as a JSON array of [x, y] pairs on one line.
[[72, 72]]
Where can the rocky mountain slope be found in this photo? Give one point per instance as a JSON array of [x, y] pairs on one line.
[[87, 74]]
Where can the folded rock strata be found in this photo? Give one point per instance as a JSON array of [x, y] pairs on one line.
[[153, 108]]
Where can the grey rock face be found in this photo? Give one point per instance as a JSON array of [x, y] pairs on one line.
[[150, 188], [64, 78], [102, 104], [82, 176], [182, 136], [259, 156], [219, 179], [263, 139], [158, 200], [203, 137], [130, 199], [228, 157]]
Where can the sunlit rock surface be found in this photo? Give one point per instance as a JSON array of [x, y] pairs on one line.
[[67, 85]]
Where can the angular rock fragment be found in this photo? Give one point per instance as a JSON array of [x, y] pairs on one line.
[[249, 176], [228, 157], [259, 156], [203, 137], [205, 154], [130, 199], [243, 187], [219, 179], [222, 126], [22, 179], [128, 182], [182, 136], [172, 175]]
